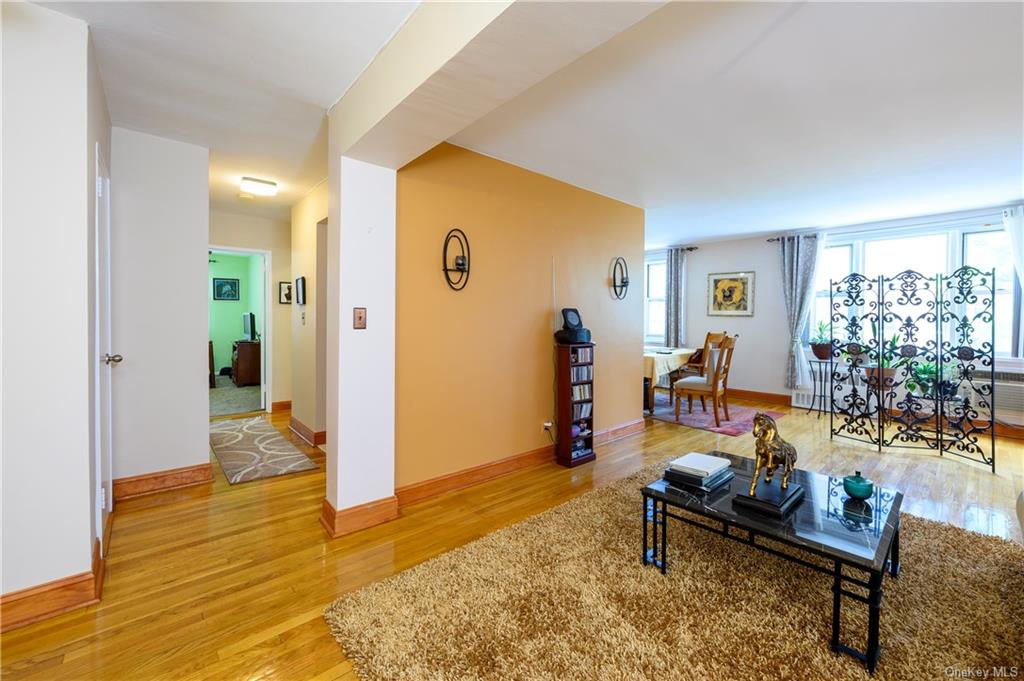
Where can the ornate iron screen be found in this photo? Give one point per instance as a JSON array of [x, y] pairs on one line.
[[913, 361]]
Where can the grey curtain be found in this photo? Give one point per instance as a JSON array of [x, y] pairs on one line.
[[799, 258], [675, 291]]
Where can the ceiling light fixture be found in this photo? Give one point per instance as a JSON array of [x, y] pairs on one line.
[[250, 185]]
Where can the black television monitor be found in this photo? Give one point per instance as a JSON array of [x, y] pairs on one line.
[[248, 326]]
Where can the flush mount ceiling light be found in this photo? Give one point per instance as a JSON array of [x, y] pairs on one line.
[[250, 185]]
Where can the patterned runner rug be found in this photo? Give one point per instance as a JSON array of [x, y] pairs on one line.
[[251, 449]]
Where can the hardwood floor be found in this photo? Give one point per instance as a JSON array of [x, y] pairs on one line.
[[222, 582]]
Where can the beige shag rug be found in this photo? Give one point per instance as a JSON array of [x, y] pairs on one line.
[[563, 595]]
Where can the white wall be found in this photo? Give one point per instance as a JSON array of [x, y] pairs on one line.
[[45, 361], [759, 361], [160, 231], [361, 363], [250, 231]]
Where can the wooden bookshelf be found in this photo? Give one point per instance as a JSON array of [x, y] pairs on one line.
[[575, 404]]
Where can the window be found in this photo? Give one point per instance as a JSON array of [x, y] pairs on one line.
[[991, 249], [655, 278], [836, 263], [929, 251]]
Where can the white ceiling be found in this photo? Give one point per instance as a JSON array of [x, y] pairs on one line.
[[724, 119], [250, 81]]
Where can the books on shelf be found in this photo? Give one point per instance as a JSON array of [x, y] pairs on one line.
[[698, 465], [582, 355], [582, 410], [583, 373], [581, 392]]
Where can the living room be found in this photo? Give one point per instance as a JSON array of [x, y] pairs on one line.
[[508, 213]]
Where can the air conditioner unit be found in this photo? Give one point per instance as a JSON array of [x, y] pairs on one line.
[[1009, 400]]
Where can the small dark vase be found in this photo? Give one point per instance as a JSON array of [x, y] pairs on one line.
[[821, 350]]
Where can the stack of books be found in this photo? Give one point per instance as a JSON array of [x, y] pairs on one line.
[[699, 472]]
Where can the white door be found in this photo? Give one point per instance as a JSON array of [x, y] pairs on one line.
[[106, 359]]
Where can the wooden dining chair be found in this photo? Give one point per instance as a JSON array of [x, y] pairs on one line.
[[713, 383], [695, 365]]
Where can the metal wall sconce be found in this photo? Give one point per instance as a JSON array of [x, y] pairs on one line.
[[620, 278], [456, 269]]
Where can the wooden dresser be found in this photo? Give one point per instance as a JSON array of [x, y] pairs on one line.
[[245, 363]]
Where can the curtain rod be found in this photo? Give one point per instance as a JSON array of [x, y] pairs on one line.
[[779, 238]]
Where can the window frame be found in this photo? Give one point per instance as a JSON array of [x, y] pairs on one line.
[[653, 258], [957, 233]]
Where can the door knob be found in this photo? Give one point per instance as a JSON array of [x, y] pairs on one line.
[[112, 359]]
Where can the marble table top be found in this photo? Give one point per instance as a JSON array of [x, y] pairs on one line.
[[826, 520]]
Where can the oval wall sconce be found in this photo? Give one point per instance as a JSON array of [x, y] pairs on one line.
[[455, 262], [620, 278]]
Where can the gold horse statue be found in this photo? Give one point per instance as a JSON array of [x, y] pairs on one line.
[[771, 452]]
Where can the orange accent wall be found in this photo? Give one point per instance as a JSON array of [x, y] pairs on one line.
[[475, 368]]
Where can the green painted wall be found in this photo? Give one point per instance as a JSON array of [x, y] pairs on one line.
[[226, 315]]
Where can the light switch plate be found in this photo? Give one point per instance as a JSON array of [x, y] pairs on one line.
[[359, 318]]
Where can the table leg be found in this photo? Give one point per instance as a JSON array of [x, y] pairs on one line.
[[646, 509], [664, 541], [874, 615], [894, 554], [814, 388], [650, 397], [837, 602]]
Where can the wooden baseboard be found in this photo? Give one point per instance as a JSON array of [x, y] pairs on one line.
[[148, 483], [1009, 430], [622, 430], [420, 491], [310, 436], [349, 520], [283, 405], [108, 526], [26, 606], [756, 396]]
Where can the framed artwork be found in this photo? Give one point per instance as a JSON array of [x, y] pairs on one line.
[[226, 289], [731, 294], [284, 292], [300, 291]]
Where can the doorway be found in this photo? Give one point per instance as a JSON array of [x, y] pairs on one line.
[[238, 292]]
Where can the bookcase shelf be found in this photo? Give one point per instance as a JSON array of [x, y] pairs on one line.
[[575, 378]]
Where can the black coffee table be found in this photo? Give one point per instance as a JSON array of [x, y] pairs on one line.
[[863, 540]]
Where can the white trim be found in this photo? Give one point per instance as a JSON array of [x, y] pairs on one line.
[[267, 339]]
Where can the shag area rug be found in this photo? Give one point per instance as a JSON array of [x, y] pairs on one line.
[[741, 419], [250, 449], [563, 595]]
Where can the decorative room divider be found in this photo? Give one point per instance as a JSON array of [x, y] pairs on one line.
[[913, 361]]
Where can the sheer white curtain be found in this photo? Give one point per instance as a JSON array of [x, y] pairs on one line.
[[1013, 221]]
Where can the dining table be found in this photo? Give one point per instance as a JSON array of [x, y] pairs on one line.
[[658, 363]]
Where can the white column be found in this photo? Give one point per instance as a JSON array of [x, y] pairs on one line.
[[361, 362]]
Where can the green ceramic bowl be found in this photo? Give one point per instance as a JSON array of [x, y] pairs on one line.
[[858, 487]]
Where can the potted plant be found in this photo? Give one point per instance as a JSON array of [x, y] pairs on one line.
[[821, 341], [924, 380], [889, 361]]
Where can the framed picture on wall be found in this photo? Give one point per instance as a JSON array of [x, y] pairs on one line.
[[731, 294], [284, 292], [226, 289], [300, 291]]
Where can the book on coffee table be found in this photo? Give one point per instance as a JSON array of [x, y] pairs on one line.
[[698, 465], [708, 484]]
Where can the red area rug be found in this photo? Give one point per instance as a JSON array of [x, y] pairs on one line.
[[740, 423]]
